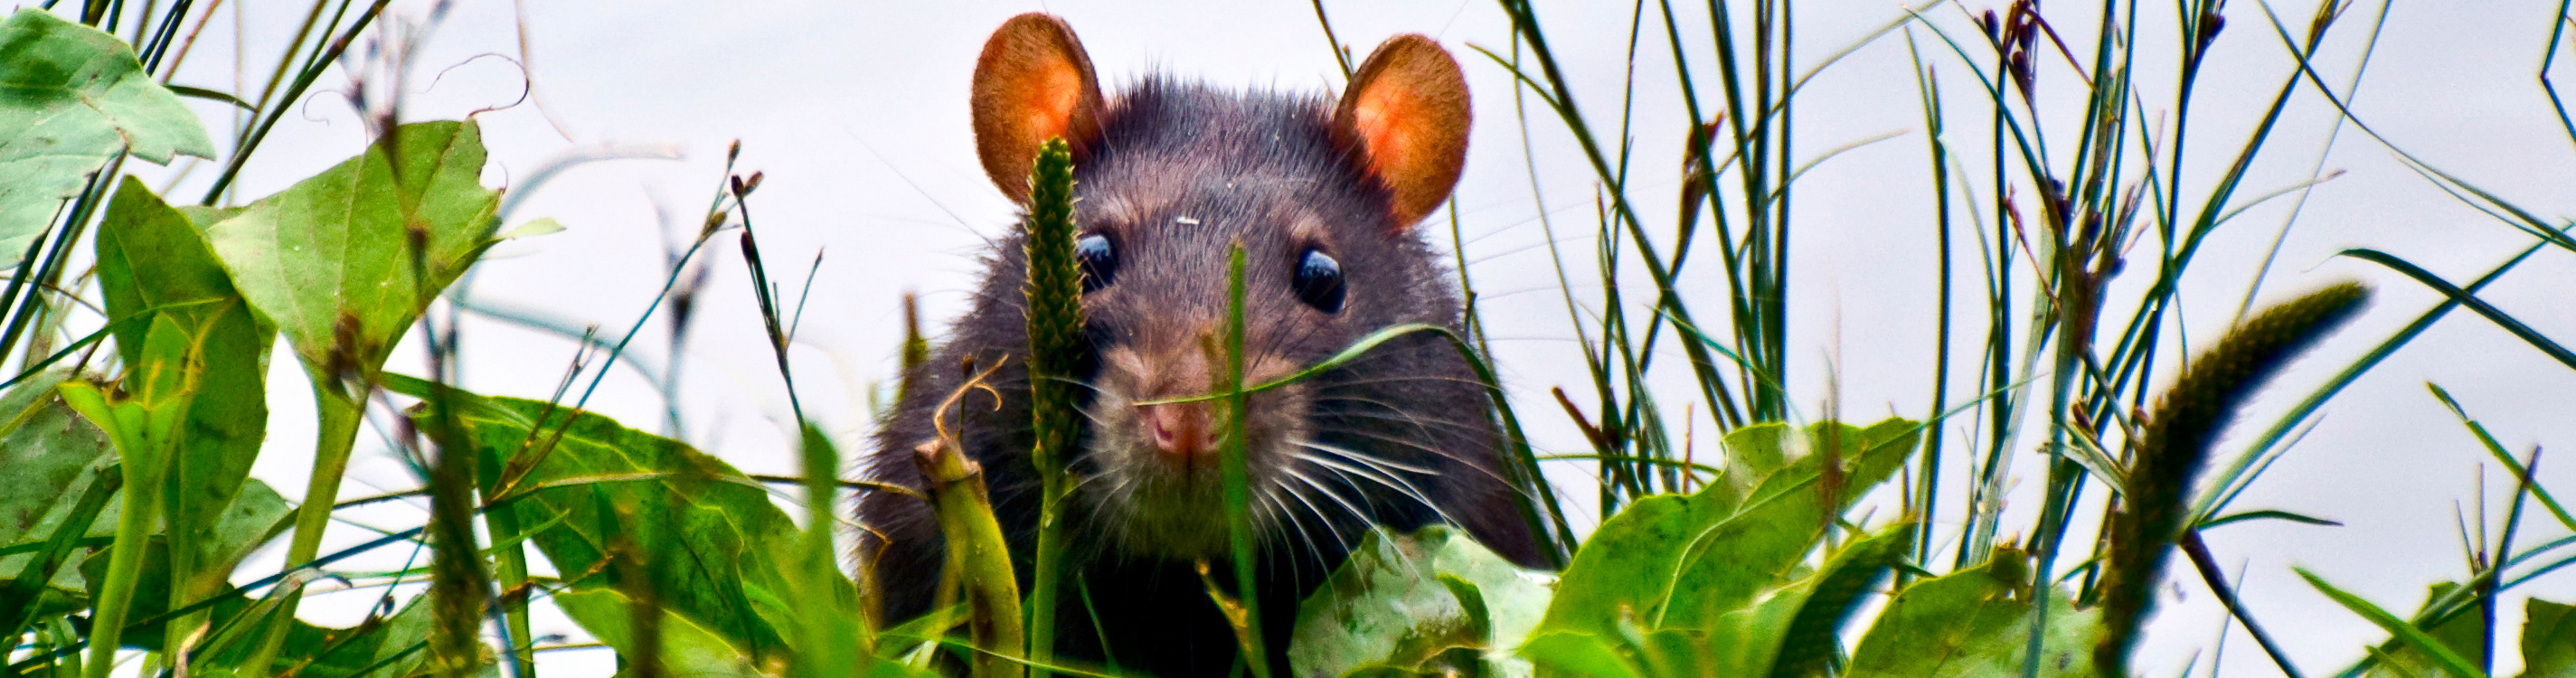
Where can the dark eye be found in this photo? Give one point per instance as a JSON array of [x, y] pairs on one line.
[[1319, 281], [1099, 261]]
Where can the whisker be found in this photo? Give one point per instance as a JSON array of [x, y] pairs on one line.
[[1399, 485]]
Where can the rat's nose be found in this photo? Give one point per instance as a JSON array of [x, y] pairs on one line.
[[1183, 432]]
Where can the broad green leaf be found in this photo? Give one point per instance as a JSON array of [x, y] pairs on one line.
[[722, 545], [2548, 640], [153, 260], [72, 97], [1388, 605], [1782, 520], [52, 455], [1683, 561], [1811, 641], [330, 261], [690, 649], [50, 498], [1754, 453], [1972, 624], [1793, 629]]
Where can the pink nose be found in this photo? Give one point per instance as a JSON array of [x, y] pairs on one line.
[[1183, 432]]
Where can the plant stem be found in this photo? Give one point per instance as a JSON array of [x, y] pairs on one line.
[[1054, 324], [975, 545], [134, 525], [336, 433], [1238, 491]]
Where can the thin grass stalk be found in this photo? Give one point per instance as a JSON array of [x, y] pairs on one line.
[[18, 600], [1594, 361], [2317, 171], [835, 643], [30, 297], [1237, 470], [1705, 182], [312, 71], [2207, 565], [2549, 58], [1926, 493], [460, 585], [24, 666], [1054, 302], [2178, 252], [1997, 356], [2523, 489], [1560, 98]]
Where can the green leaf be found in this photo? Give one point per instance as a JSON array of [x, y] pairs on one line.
[[1973, 623], [382, 646], [2548, 640], [1402, 602], [2269, 514], [592, 484], [1682, 562], [153, 260], [2461, 635], [2434, 649], [1782, 520], [1576, 653], [51, 497], [1793, 630], [72, 97], [330, 260], [52, 455], [256, 516], [690, 649], [1811, 640], [541, 226], [1754, 453]]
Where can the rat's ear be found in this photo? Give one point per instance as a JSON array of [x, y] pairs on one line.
[[1407, 113], [1033, 82]]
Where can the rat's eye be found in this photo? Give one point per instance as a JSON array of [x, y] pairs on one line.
[[1319, 281], [1099, 261]]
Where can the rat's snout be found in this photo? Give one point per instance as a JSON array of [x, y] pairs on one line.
[[1183, 432]]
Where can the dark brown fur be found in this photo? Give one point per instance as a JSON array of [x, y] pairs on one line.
[[1267, 169]]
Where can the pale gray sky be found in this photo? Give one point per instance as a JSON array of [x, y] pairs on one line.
[[856, 113]]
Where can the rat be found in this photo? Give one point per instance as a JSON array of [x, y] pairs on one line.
[[1324, 196]]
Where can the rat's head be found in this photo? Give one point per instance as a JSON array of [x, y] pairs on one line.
[[1323, 197]]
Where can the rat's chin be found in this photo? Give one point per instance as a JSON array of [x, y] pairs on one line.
[[1178, 514], [1143, 504]]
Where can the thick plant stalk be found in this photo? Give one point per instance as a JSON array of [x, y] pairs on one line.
[[339, 416], [2176, 441], [976, 550], [144, 419], [1054, 293]]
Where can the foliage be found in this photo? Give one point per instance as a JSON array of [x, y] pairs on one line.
[[127, 510], [77, 99]]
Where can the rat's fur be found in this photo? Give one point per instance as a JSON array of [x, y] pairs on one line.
[[1401, 437]]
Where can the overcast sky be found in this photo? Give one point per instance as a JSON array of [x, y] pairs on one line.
[[856, 112]]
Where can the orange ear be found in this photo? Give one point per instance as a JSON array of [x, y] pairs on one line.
[[1033, 82], [1407, 111]]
